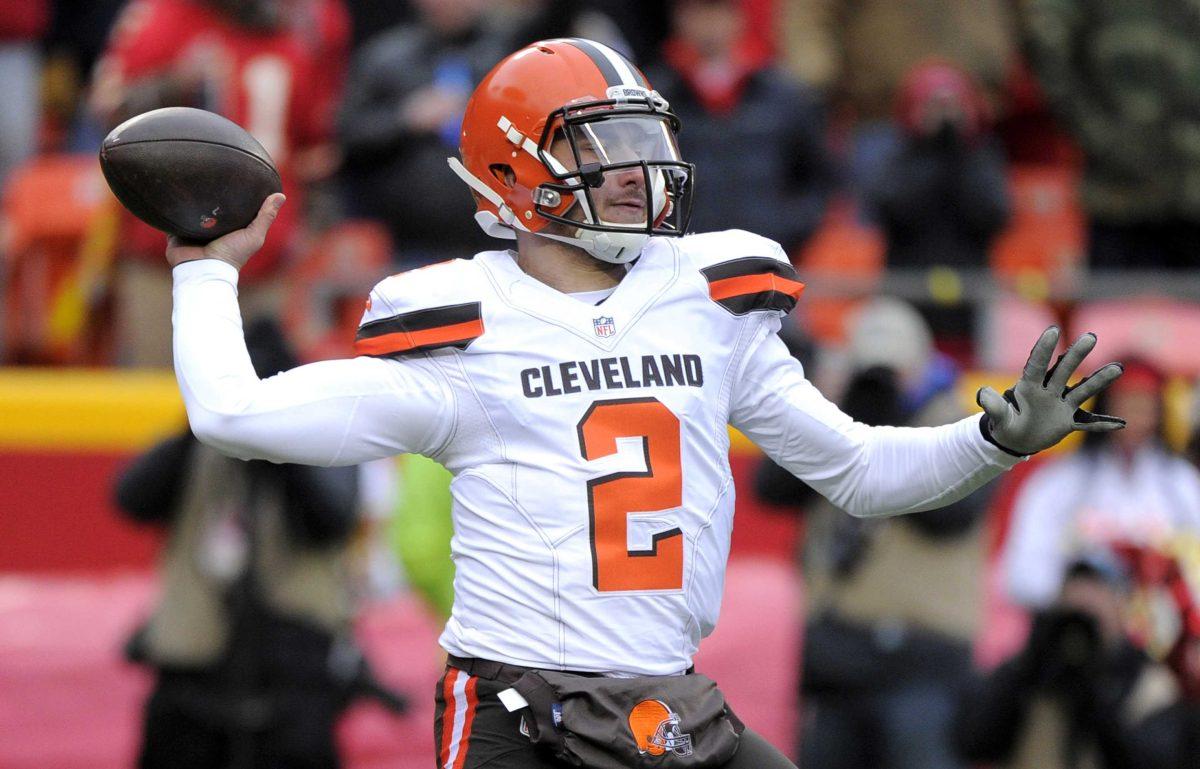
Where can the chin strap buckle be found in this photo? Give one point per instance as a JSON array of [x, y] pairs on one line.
[[547, 197]]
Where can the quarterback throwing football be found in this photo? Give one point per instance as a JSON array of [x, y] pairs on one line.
[[579, 386]]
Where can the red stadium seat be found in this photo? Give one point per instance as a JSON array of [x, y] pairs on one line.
[[844, 255], [1044, 242], [59, 224]]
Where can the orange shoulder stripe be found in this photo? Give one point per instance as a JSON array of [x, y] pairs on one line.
[[754, 284]]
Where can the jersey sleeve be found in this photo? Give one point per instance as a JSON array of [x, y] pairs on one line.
[[329, 413], [746, 273], [866, 471]]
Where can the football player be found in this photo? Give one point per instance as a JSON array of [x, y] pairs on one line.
[[579, 386]]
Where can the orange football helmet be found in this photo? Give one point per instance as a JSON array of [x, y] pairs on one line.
[[591, 97]]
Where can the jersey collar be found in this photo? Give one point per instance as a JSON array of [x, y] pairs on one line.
[[647, 280]]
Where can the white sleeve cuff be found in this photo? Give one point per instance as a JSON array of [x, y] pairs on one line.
[[990, 452], [201, 269]]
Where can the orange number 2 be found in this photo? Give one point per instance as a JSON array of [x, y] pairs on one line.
[[611, 498]]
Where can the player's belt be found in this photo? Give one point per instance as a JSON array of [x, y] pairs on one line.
[[503, 672], [499, 671]]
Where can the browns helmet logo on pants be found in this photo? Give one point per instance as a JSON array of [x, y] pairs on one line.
[[656, 729]]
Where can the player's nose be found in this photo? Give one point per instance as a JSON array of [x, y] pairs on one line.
[[630, 177]]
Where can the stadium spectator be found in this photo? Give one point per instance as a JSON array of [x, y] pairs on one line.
[[857, 52], [368, 17], [272, 66], [400, 120], [942, 197], [533, 20], [1129, 489], [887, 646], [1121, 76], [646, 24], [747, 123], [21, 26], [78, 34], [251, 640], [1079, 695]]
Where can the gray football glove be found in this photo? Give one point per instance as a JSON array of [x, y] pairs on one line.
[[1040, 410]]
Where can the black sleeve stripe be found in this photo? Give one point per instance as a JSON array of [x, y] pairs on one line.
[[421, 331], [421, 320], [748, 265], [764, 300]]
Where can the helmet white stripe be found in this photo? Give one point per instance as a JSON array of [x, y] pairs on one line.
[[605, 57], [619, 64]]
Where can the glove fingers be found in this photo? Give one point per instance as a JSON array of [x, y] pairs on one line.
[[993, 403], [1093, 385], [1049, 374], [1088, 422], [1039, 356], [1070, 361]]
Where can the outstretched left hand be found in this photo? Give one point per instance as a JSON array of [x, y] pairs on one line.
[[1040, 410]]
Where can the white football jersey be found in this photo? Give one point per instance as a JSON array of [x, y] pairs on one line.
[[593, 501]]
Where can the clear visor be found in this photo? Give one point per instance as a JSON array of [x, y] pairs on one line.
[[622, 140]]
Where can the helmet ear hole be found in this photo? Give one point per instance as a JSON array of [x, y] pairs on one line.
[[504, 173]]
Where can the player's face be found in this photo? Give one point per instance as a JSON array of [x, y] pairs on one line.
[[622, 198]]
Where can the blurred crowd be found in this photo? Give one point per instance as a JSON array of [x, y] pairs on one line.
[[1099, 549], [999, 163], [949, 175]]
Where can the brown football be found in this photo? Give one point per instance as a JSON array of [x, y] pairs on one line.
[[188, 172]]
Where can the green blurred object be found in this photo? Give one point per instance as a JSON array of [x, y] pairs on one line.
[[421, 531]]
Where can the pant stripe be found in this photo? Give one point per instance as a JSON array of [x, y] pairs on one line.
[[464, 740], [447, 715], [459, 713]]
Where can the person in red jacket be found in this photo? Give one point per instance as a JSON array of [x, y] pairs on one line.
[[274, 67]]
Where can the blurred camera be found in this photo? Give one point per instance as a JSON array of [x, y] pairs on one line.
[[1066, 643]]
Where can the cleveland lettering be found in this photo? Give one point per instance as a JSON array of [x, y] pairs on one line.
[[620, 373]]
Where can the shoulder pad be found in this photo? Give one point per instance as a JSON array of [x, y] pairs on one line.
[[745, 272], [420, 310]]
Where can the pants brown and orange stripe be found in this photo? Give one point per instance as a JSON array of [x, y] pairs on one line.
[[473, 730]]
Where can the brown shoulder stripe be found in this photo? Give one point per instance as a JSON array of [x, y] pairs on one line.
[[455, 325], [753, 283]]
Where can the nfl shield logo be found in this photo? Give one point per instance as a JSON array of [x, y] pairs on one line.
[[604, 326]]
